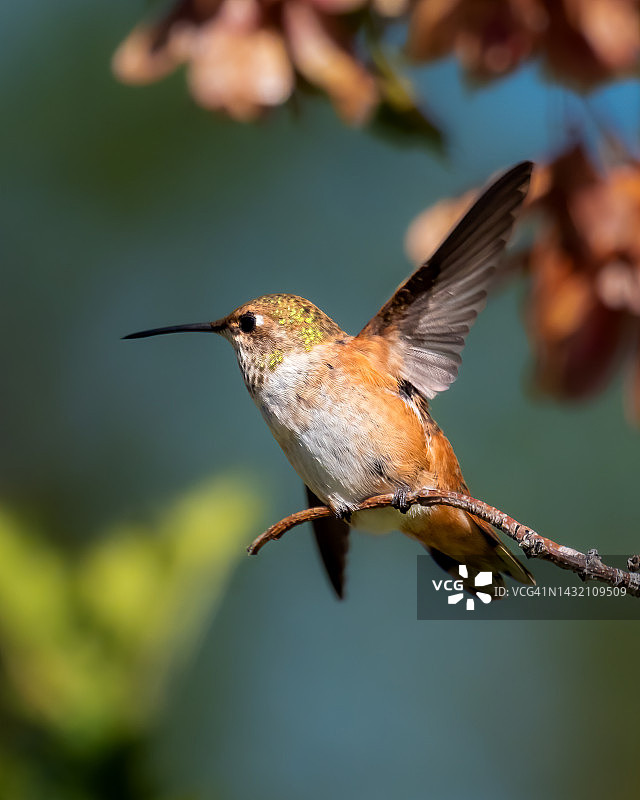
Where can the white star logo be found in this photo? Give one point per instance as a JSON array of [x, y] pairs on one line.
[[481, 579]]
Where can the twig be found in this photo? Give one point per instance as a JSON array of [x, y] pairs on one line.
[[588, 566]]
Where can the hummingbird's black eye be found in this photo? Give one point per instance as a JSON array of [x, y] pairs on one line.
[[247, 322]]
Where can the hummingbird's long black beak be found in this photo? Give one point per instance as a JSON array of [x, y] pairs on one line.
[[198, 327]]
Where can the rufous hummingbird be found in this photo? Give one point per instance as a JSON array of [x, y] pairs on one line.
[[351, 412]]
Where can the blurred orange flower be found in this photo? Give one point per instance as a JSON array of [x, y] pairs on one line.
[[245, 56], [430, 227], [582, 42], [584, 310]]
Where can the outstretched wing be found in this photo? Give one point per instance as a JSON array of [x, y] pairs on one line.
[[332, 538], [429, 316]]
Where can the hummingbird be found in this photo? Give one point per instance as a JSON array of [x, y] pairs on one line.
[[351, 413]]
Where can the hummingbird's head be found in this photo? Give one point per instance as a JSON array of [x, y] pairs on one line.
[[264, 332]]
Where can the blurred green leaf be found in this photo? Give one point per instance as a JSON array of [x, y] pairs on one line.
[[88, 643]]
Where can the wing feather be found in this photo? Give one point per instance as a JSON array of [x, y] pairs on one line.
[[429, 316]]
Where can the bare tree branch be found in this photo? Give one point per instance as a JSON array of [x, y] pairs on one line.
[[588, 566]]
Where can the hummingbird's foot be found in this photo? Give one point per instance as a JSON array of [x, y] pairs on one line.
[[343, 512], [400, 499]]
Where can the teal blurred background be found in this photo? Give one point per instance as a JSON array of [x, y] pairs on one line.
[[141, 653]]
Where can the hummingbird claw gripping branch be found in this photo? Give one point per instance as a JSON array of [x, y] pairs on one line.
[[400, 500]]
